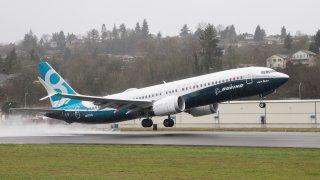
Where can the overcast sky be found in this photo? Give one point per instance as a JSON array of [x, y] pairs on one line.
[[166, 16]]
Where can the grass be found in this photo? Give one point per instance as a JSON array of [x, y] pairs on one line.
[[156, 162], [228, 129]]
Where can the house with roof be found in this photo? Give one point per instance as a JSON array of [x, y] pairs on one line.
[[277, 61], [304, 57]]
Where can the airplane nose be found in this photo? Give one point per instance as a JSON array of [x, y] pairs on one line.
[[283, 78]]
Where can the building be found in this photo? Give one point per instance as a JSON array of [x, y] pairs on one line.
[[277, 61], [304, 57]]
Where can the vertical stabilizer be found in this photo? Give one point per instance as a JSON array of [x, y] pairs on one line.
[[54, 83]]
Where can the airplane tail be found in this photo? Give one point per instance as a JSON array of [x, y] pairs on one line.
[[54, 83]]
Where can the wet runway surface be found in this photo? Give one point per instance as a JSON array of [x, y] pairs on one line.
[[247, 139]]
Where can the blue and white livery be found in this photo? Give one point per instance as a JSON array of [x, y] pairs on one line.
[[198, 96]]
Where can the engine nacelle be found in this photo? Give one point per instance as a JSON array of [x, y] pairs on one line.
[[204, 110], [169, 105]]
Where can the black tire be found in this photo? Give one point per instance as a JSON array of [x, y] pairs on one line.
[[166, 123], [171, 123], [146, 123], [262, 105]]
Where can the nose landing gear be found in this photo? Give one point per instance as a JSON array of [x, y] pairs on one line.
[[262, 104]]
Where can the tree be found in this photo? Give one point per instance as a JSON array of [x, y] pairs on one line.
[[315, 45], [93, 35], [317, 41], [145, 29], [137, 29], [29, 41], [159, 35], [184, 31], [288, 42], [61, 43], [259, 34], [10, 61], [209, 48], [104, 33], [123, 31], [229, 34], [283, 33], [114, 33], [71, 37]]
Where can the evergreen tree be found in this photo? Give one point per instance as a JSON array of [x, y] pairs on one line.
[[10, 61], [288, 41], [104, 33], [29, 41], [159, 35], [34, 56], [259, 34], [210, 50], [61, 43], [114, 33], [137, 29], [315, 45], [145, 29], [229, 34], [317, 41], [283, 33], [184, 31], [123, 31]]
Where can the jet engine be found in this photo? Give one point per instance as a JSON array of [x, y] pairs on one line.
[[203, 110], [169, 105]]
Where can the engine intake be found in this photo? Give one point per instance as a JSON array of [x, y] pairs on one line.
[[169, 105], [204, 110]]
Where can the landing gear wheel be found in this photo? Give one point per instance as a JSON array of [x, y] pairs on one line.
[[146, 123], [262, 105], [168, 123]]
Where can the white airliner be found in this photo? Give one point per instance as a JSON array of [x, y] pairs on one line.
[[198, 96]]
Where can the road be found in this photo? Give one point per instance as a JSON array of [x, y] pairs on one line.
[[245, 139]]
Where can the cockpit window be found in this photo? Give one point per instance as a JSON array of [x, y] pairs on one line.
[[268, 72]]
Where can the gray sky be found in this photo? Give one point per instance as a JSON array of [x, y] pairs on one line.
[[167, 16]]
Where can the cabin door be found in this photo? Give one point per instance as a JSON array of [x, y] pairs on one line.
[[249, 78]]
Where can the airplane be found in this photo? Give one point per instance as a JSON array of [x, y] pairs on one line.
[[197, 96]]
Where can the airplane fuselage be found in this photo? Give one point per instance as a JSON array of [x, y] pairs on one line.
[[196, 91]]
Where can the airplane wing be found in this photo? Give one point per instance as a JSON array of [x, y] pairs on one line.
[[133, 105]]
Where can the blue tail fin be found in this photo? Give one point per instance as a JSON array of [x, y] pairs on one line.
[[53, 81]]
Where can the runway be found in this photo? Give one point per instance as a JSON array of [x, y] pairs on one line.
[[245, 139]]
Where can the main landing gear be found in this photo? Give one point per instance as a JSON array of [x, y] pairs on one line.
[[168, 122], [147, 122], [262, 104]]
